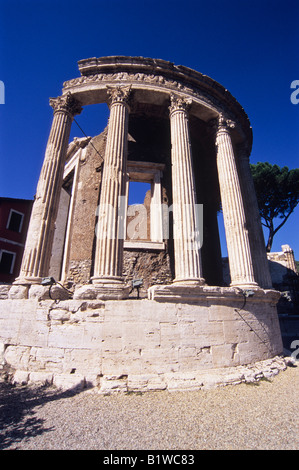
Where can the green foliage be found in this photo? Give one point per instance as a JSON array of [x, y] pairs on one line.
[[277, 191]]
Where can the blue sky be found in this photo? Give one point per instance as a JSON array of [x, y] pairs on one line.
[[250, 47]]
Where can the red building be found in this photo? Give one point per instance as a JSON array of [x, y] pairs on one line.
[[14, 220]]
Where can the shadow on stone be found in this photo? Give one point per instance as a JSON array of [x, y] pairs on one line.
[[18, 419]]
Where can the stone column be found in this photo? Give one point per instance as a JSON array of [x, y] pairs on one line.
[[38, 248], [186, 230], [253, 221], [107, 280], [238, 247]]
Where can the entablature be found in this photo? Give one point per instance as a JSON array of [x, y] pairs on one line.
[[152, 81]]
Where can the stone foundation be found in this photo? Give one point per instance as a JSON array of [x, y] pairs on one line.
[[141, 345]]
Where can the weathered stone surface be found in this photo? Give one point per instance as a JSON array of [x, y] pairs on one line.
[[109, 385], [17, 356], [44, 378], [21, 377], [55, 292], [18, 292], [104, 291], [4, 291], [69, 381], [156, 345], [2, 351]]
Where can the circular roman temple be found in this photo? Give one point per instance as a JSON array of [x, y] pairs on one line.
[[124, 237]]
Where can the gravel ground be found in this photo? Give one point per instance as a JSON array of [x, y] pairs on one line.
[[257, 416]]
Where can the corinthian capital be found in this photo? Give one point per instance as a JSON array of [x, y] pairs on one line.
[[179, 103], [220, 124], [119, 94], [224, 123], [66, 104]]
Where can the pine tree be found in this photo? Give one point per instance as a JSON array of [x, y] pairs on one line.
[[277, 191]]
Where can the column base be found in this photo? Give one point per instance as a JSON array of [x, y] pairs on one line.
[[179, 290], [245, 285], [189, 282], [21, 285], [25, 281], [176, 292], [104, 288], [27, 289]]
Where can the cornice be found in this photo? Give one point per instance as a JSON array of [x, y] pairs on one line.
[[160, 74]]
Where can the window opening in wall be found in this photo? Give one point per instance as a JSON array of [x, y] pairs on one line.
[[68, 182], [15, 221], [138, 190], [144, 206], [138, 212], [7, 261]]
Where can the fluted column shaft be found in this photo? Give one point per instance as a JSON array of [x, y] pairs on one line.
[[186, 246], [253, 220], [110, 227], [38, 247], [238, 247]]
